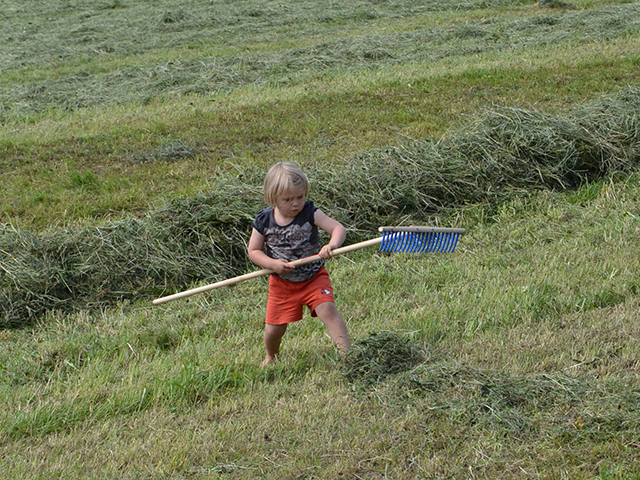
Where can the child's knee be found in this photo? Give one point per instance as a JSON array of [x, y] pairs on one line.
[[326, 308], [274, 331], [327, 312]]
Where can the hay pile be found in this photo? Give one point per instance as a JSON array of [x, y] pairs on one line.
[[506, 152], [380, 355]]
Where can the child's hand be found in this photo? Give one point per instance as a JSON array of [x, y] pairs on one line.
[[281, 266], [325, 252]]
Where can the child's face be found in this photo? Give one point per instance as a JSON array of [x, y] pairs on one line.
[[291, 202]]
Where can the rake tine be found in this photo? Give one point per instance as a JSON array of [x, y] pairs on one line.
[[404, 243], [410, 241], [385, 241], [389, 242], [448, 243], [431, 241], [394, 240], [426, 240], [452, 242], [455, 242], [414, 242], [438, 243], [417, 242], [444, 244], [420, 243]]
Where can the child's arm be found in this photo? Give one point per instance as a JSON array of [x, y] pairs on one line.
[[257, 255], [332, 227]]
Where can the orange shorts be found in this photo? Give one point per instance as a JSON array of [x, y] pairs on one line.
[[286, 298]]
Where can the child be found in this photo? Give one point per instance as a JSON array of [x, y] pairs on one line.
[[287, 231]]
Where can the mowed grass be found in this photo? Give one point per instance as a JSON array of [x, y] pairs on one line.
[[131, 119], [528, 367], [521, 347]]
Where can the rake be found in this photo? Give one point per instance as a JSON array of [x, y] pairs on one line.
[[393, 239]]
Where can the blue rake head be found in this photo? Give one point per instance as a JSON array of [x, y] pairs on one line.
[[419, 239]]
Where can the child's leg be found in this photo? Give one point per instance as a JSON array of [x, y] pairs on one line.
[[272, 338], [329, 315]]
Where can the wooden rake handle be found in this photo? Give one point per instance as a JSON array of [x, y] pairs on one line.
[[263, 272]]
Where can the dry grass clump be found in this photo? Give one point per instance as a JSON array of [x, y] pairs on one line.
[[506, 152], [372, 359]]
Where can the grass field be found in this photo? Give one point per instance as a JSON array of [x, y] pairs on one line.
[[133, 140]]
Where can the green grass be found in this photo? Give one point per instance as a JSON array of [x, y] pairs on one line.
[[529, 341], [519, 350]]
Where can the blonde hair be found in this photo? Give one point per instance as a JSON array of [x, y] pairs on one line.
[[284, 177]]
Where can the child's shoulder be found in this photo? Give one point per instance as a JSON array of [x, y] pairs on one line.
[[264, 212], [262, 218], [309, 206], [309, 210]]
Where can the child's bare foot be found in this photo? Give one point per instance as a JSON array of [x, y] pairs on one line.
[[267, 360]]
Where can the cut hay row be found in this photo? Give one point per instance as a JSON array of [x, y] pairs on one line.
[[185, 241], [506, 152], [37, 33], [211, 74]]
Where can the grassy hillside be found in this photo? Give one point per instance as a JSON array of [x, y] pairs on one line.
[[133, 139], [112, 107]]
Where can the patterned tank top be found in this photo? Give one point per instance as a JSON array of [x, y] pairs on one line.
[[298, 239]]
